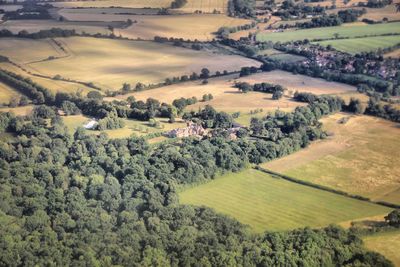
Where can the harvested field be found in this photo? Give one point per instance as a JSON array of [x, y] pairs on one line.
[[358, 45], [114, 62], [267, 203], [115, 3], [386, 243], [32, 26], [101, 13], [378, 14], [201, 27], [360, 157], [7, 93], [220, 6], [329, 32], [132, 127], [393, 54]]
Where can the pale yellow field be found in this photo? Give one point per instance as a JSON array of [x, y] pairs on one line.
[[299, 83], [200, 27], [205, 6], [6, 93], [361, 158], [19, 111], [393, 54], [386, 243], [132, 127], [52, 85], [378, 14], [116, 3], [110, 63], [36, 25]]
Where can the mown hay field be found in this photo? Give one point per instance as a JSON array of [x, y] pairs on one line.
[[193, 26], [358, 45], [267, 203], [115, 3], [19, 111], [386, 243], [393, 54], [110, 63], [360, 157], [7, 93], [132, 127], [329, 32]]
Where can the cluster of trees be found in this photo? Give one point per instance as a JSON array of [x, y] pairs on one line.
[[210, 118], [109, 122], [37, 93], [290, 10], [224, 32], [178, 3], [246, 71], [375, 3], [343, 16], [51, 33], [241, 8], [28, 11], [275, 89]]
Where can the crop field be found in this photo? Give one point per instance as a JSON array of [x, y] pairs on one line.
[[193, 26], [329, 32], [360, 157], [6, 93], [393, 54], [367, 44], [378, 14], [52, 85], [115, 3], [110, 63], [104, 13], [267, 203], [132, 127], [208, 6], [386, 243], [31, 26]]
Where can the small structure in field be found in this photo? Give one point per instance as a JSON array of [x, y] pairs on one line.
[[90, 125]]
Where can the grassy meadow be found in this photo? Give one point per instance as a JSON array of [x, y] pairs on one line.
[[267, 203], [360, 157], [7, 93], [358, 45], [110, 63], [132, 127], [386, 243], [329, 32]]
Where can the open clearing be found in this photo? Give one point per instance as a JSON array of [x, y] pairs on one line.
[[19, 111], [360, 157], [358, 45], [267, 203], [229, 99], [110, 63], [6, 93], [201, 27], [387, 243], [393, 54], [132, 127], [329, 32], [32, 26]]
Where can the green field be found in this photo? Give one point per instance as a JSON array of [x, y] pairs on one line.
[[329, 32], [266, 203], [367, 44], [387, 244]]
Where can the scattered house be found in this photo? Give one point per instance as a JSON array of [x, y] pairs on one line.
[[90, 125], [192, 129]]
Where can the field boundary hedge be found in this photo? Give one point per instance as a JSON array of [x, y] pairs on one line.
[[324, 188]]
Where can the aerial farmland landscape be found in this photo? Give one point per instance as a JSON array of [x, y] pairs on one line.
[[200, 133]]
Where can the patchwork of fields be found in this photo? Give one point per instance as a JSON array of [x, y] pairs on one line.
[[360, 157], [267, 203], [110, 63], [330, 32]]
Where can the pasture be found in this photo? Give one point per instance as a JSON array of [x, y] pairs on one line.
[[193, 26], [386, 243], [358, 45], [378, 14], [19, 111], [359, 157], [114, 3], [267, 203], [132, 127], [7, 93], [329, 32], [110, 63]]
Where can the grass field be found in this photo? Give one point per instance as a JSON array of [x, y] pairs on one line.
[[110, 63], [387, 244], [360, 157], [329, 32], [36, 25], [378, 14], [201, 27], [19, 111], [358, 45], [267, 203], [6, 93], [132, 127]]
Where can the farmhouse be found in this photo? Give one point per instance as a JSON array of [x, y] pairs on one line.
[[192, 129]]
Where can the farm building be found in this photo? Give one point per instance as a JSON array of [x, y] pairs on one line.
[[90, 125], [192, 129]]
